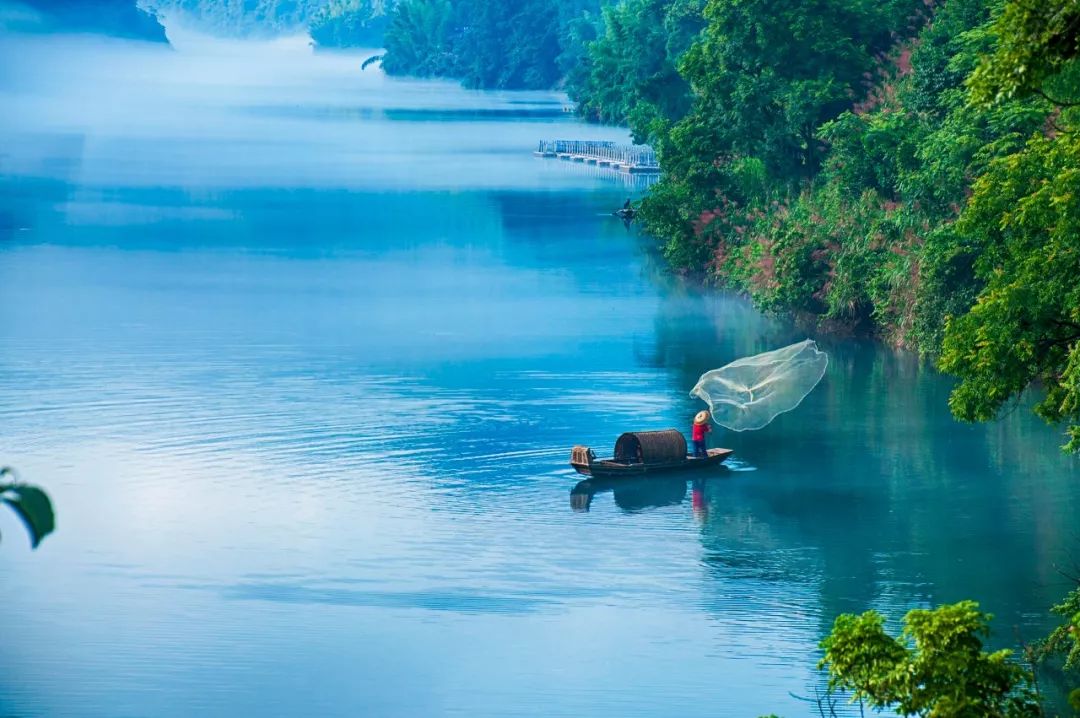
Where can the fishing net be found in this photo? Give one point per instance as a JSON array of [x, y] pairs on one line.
[[749, 393]]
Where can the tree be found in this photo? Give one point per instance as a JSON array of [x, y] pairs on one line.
[[1037, 50], [764, 77], [629, 72], [497, 44], [509, 44], [30, 504], [1024, 215], [418, 38], [936, 667], [349, 23], [1025, 325], [828, 153], [1064, 641]]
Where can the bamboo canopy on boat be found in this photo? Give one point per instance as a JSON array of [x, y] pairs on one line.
[[656, 446]]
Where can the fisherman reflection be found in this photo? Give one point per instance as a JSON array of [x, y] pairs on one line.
[[697, 500]]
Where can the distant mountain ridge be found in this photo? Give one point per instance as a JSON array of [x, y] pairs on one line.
[[331, 23], [115, 18], [251, 18]]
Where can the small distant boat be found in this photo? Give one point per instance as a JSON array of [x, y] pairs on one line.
[[625, 213], [644, 452]]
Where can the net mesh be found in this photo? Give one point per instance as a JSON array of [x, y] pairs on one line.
[[750, 392]]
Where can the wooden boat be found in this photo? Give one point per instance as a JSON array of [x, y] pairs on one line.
[[644, 452]]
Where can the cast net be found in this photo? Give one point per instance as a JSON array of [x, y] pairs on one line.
[[749, 393]]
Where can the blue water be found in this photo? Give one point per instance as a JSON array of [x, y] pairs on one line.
[[300, 353]]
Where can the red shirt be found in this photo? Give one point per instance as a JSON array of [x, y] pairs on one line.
[[700, 430]]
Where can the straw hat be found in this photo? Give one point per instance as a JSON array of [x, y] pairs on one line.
[[702, 417]]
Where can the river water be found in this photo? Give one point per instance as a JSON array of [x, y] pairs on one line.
[[299, 353]]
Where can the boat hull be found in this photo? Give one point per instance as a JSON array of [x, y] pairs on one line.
[[611, 469]]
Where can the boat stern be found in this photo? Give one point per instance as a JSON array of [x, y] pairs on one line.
[[581, 458]]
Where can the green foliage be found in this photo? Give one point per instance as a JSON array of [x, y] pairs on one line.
[[936, 667], [30, 504], [515, 44], [419, 38], [1025, 325], [508, 44], [667, 211], [833, 164], [1064, 640], [629, 72], [350, 23], [1038, 42], [764, 78], [767, 74], [1024, 215]]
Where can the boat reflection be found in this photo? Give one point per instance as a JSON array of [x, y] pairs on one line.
[[634, 494]]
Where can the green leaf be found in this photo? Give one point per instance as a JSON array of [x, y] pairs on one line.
[[33, 506], [936, 667], [1074, 699]]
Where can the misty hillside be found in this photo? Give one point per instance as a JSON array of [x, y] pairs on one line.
[[116, 18], [331, 23], [256, 18]]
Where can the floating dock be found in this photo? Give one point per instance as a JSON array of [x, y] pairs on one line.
[[628, 159]]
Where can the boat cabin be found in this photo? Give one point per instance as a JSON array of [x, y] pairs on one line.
[[636, 447]]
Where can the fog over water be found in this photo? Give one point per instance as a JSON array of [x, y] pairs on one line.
[[232, 114], [300, 351]]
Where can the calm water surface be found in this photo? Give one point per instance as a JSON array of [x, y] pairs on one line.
[[300, 353]]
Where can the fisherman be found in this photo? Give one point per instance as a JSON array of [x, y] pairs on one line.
[[701, 430], [626, 205]]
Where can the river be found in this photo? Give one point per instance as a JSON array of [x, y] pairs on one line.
[[300, 352]]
